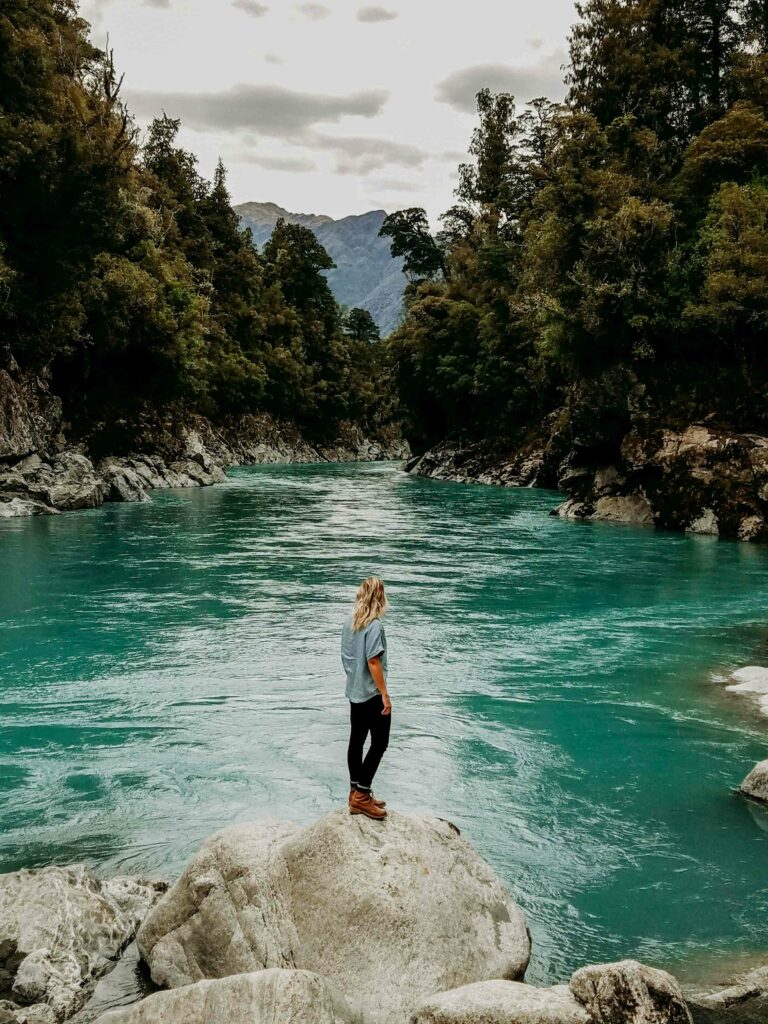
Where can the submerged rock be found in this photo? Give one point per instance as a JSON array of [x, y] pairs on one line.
[[502, 1002], [755, 786], [273, 996], [745, 1002], [628, 992], [60, 929], [389, 912]]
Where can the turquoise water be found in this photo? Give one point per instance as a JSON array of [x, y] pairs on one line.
[[169, 668]]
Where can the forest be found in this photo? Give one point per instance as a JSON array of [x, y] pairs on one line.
[[606, 257], [125, 278]]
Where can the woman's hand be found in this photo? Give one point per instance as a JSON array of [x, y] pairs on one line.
[[387, 710]]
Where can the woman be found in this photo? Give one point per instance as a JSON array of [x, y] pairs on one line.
[[364, 657]]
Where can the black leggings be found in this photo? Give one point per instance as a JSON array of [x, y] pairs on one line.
[[367, 718]]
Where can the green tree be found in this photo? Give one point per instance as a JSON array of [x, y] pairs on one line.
[[359, 325], [411, 239], [732, 304]]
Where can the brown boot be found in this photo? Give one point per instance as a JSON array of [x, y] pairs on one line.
[[361, 803], [379, 803]]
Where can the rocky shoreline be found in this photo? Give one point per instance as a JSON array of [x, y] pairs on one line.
[[700, 479], [42, 474], [345, 921]]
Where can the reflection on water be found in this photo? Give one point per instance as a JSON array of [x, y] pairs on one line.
[[167, 669]]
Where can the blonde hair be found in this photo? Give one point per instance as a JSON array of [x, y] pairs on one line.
[[370, 603]]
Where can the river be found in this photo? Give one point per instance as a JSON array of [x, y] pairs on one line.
[[169, 668]]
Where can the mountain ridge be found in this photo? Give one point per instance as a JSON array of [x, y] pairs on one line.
[[366, 274]]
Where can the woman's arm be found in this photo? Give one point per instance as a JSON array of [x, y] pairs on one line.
[[377, 674]]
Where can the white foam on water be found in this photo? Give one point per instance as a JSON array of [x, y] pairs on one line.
[[753, 680]]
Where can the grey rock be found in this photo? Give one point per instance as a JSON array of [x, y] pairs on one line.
[[15, 507], [271, 996], [744, 1002], [501, 1002], [755, 786], [621, 508], [73, 482], [414, 911], [61, 928], [705, 523], [40, 1013], [476, 464], [123, 481], [631, 508], [628, 992], [753, 527], [229, 913]]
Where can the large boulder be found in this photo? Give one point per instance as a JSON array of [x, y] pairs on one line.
[[123, 481], [74, 483], [744, 1002], [755, 786], [390, 912], [501, 1002], [273, 996], [66, 483], [60, 929], [628, 992]]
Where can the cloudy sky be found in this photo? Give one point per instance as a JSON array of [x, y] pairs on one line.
[[336, 107]]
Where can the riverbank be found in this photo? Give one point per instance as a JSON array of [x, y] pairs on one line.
[[700, 479], [42, 473]]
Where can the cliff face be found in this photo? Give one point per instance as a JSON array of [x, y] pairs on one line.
[[30, 416], [41, 473]]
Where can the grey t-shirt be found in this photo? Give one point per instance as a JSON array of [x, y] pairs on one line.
[[356, 649]]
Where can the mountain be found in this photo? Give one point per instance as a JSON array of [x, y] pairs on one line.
[[366, 275]]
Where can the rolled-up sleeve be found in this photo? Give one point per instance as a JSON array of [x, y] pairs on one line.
[[374, 640]]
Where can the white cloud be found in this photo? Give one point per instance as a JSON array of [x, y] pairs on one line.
[[372, 15], [290, 164], [256, 10], [317, 12], [269, 109], [363, 154], [526, 82]]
